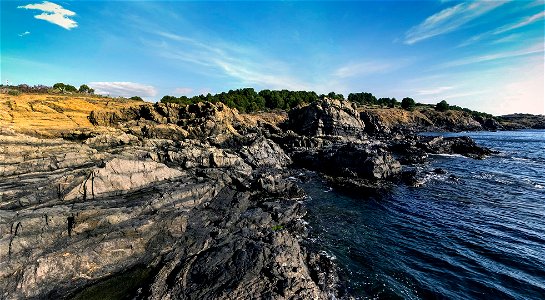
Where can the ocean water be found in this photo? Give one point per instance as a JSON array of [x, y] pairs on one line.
[[477, 232]]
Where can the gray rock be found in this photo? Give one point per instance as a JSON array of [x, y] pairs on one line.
[[327, 117]]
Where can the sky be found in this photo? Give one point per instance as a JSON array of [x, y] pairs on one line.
[[483, 55]]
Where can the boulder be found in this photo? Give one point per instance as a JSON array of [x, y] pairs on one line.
[[265, 153], [327, 117], [355, 160]]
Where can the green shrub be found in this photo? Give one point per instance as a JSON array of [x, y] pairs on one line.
[[442, 106], [408, 103]]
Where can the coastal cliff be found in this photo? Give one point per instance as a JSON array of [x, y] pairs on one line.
[[162, 201]]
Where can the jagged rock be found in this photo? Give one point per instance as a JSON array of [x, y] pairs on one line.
[[489, 123], [169, 120], [121, 176], [350, 160], [373, 123], [454, 145], [327, 117], [183, 225], [111, 140], [265, 153]]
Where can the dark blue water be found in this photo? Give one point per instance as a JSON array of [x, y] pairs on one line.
[[479, 237]]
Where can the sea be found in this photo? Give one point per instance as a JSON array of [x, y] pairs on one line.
[[475, 232]]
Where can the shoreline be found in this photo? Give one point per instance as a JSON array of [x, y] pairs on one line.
[[190, 190]]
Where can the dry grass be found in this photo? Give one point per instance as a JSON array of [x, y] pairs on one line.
[[51, 115]]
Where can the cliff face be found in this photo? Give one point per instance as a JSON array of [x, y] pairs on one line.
[[189, 202]]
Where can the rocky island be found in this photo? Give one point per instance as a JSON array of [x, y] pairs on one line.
[[106, 198]]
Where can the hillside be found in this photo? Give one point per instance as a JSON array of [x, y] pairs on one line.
[[53, 115], [385, 120]]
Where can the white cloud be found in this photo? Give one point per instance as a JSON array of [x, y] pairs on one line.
[[123, 89], [183, 91], [24, 33], [243, 64], [534, 49], [433, 91], [53, 13], [498, 89], [449, 20], [362, 68], [507, 39], [521, 23]]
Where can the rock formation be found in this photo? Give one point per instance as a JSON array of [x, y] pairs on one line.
[[186, 202]]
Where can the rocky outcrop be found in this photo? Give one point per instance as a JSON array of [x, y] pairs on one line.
[[383, 122], [327, 117], [522, 121], [356, 160], [193, 220], [265, 153], [172, 121], [415, 149], [189, 202], [121, 176]]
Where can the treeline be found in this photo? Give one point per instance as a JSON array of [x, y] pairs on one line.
[[57, 88], [248, 100]]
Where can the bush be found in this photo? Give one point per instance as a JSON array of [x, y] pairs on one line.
[[85, 89], [442, 106], [408, 103], [14, 92], [248, 100], [136, 98], [65, 88]]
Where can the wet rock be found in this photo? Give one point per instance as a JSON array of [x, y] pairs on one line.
[[454, 145], [358, 160]]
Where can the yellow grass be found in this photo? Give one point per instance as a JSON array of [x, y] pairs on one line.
[[51, 115]]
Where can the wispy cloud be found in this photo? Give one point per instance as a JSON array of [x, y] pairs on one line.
[[233, 61], [123, 89], [183, 91], [22, 34], [508, 39], [53, 13], [521, 23], [449, 20], [363, 68], [534, 49], [433, 91]]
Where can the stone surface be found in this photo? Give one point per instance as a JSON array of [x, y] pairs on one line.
[[190, 202], [327, 117]]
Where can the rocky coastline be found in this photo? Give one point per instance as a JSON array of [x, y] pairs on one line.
[[164, 201]]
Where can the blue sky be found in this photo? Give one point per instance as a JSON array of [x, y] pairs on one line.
[[484, 55]]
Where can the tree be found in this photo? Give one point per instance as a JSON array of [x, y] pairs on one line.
[[65, 88], [442, 106], [408, 103], [138, 98], [85, 89], [393, 103]]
